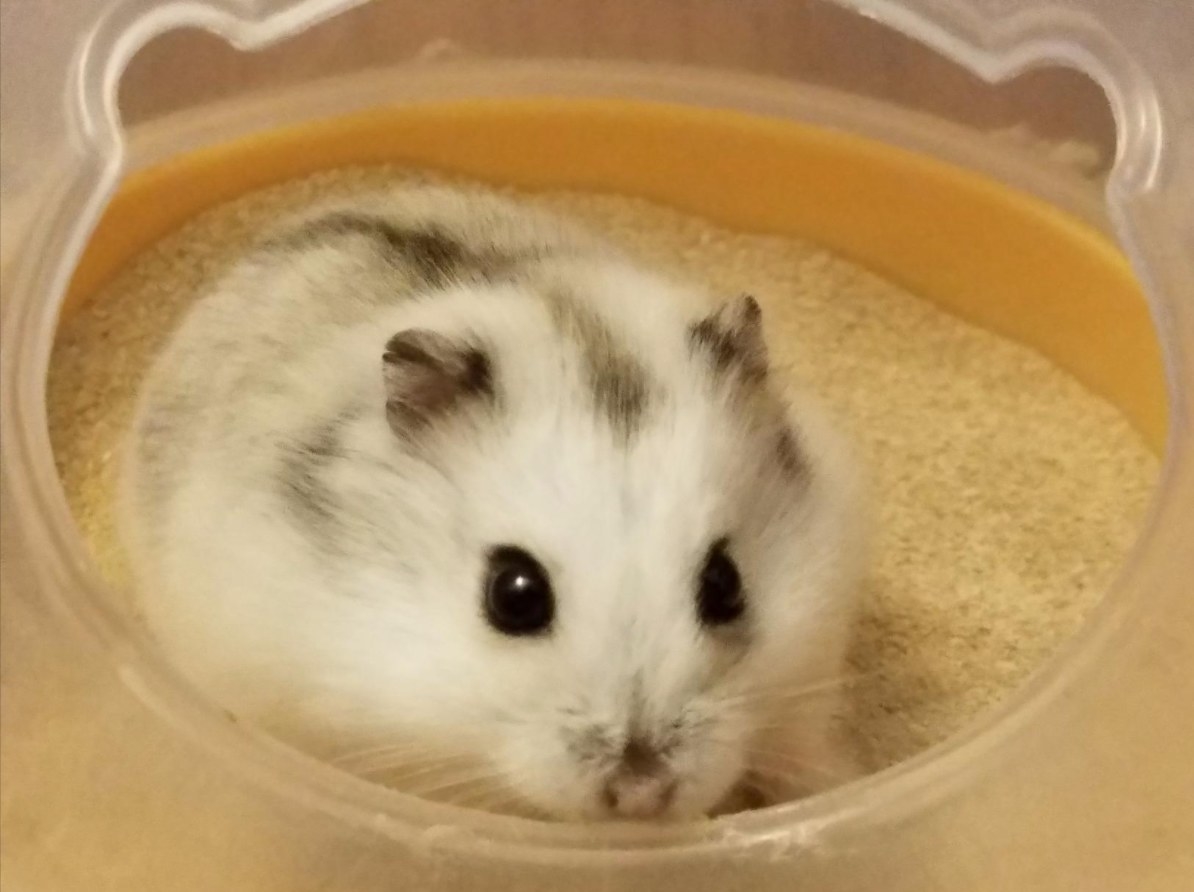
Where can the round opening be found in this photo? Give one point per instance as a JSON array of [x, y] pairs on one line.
[[576, 136]]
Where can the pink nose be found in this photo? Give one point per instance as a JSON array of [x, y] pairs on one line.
[[642, 786], [639, 796]]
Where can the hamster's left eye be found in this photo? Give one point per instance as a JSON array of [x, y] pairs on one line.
[[719, 588], [518, 595]]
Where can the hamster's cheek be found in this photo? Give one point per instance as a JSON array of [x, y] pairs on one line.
[[544, 774], [707, 780]]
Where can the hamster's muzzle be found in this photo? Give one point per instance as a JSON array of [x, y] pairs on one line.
[[641, 785]]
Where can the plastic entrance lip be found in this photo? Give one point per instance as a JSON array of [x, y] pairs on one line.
[[63, 155]]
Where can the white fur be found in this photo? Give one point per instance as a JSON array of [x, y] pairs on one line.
[[380, 639]]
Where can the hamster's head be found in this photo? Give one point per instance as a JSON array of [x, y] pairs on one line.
[[594, 546]]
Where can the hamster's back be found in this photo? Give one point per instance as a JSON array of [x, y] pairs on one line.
[[251, 362]]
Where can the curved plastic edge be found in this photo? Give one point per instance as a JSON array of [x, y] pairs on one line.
[[58, 172]]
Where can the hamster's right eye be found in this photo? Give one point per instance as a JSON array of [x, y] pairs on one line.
[[518, 595], [719, 592]]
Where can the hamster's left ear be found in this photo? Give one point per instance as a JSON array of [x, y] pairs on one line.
[[428, 376], [732, 338]]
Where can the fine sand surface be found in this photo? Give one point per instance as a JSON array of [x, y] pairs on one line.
[[1006, 494]]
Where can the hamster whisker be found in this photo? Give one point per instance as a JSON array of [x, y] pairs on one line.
[[786, 716], [502, 797], [776, 702], [847, 676], [493, 793], [774, 785], [405, 767], [452, 793], [496, 799], [787, 691], [460, 779], [796, 764], [760, 759], [350, 756], [386, 754], [782, 711]]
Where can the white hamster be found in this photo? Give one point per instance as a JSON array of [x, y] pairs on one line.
[[437, 477]]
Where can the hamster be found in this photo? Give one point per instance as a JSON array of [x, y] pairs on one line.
[[448, 486]]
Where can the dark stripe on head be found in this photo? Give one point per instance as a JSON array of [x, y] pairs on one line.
[[432, 254], [616, 380]]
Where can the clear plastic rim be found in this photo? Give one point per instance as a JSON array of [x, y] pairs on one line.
[[68, 580]]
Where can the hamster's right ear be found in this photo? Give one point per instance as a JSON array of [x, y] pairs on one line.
[[428, 375], [732, 338]]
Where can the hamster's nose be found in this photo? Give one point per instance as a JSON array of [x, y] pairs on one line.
[[642, 786]]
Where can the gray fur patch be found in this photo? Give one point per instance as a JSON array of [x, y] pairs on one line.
[[301, 475], [156, 434], [166, 423], [434, 256], [616, 380], [592, 745], [790, 456]]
